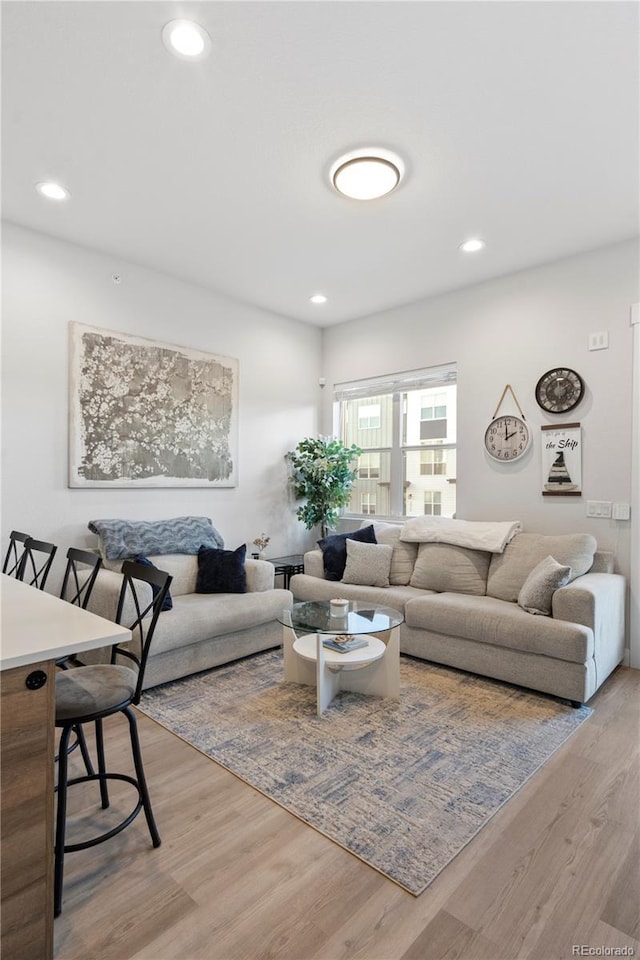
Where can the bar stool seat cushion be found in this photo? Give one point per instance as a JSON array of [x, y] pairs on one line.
[[100, 688]]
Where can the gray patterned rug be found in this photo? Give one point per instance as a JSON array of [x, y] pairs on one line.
[[402, 785]]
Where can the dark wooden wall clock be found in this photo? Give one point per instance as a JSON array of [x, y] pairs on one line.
[[559, 390]]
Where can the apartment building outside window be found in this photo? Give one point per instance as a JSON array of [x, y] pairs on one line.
[[405, 425]]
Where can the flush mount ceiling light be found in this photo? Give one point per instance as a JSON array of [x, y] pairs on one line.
[[186, 39], [318, 298], [473, 245], [52, 191], [367, 175]]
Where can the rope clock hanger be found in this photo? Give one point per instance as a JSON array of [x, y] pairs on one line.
[[507, 438]]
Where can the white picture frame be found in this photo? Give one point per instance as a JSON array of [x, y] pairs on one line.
[[143, 413], [562, 460]]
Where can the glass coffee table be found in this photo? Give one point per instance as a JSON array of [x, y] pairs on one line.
[[373, 669]]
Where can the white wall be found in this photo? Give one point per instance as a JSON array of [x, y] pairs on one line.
[[46, 284], [512, 330]]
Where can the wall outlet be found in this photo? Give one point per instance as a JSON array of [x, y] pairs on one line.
[[599, 341], [599, 508], [621, 511]]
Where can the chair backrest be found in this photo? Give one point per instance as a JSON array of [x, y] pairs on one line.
[[146, 613], [76, 585], [15, 553], [34, 569]]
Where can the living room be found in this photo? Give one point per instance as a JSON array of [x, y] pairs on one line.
[[126, 263]]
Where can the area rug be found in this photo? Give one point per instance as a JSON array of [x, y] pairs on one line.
[[404, 785]]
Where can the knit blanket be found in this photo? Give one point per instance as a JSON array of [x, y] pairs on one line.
[[126, 538], [492, 536]]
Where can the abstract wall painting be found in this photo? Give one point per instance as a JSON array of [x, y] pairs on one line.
[[150, 414]]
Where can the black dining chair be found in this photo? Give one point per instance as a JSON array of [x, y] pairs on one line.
[[36, 561], [15, 552], [89, 694]]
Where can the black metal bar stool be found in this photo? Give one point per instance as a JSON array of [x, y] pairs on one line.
[[89, 694], [15, 552], [34, 569], [79, 577]]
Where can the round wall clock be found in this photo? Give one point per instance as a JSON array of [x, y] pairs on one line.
[[559, 390], [507, 438]]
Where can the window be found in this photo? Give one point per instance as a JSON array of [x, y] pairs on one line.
[[433, 416], [432, 463], [368, 504], [369, 417], [369, 466], [433, 503], [405, 425]]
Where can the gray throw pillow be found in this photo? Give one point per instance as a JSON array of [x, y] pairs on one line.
[[368, 564], [538, 589]]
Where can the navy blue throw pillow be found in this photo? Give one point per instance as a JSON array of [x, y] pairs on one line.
[[221, 571], [167, 603], [334, 550]]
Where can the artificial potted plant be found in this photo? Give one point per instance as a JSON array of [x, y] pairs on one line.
[[323, 476]]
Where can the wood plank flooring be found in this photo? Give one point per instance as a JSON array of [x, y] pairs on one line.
[[238, 878]]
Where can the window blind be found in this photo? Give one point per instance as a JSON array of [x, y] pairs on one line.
[[439, 376]]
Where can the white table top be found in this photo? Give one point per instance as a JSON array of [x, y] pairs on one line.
[[37, 626]]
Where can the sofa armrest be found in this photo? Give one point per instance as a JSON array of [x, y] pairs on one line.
[[261, 575], [313, 564], [596, 600]]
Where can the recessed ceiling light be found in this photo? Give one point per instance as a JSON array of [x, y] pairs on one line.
[[186, 39], [318, 298], [473, 245], [367, 175], [53, 191]]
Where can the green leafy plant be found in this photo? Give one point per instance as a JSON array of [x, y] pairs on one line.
[[323, 476]]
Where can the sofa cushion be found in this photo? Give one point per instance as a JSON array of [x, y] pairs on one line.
[[183, 567], [500, 623], [367, 563], [334, 550], [538, 589], [305, 587], [221, 571], [203, 616], [445, 567], [509, 570], [404, 554]]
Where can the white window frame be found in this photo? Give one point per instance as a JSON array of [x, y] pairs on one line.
[[395, 385]]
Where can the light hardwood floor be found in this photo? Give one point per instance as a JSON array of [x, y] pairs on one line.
[[238, 878]]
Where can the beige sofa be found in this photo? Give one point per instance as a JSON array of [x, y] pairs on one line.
[[202, 630], [460, 608]]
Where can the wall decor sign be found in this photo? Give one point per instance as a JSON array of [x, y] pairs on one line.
[[561, 460], [149, 414]]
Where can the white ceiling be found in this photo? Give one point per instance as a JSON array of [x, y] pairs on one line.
[[517, 121]]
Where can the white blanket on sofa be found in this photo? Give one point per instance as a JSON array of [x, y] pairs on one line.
[[492, 536]]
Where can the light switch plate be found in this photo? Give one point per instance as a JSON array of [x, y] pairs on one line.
[[599, 508], [599, 341]]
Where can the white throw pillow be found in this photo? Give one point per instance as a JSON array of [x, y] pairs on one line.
[[538, 589], [404, 555], [368, 564]]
